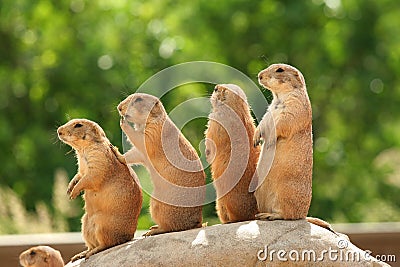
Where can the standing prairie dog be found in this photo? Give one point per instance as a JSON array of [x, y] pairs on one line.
[[113, 198], [174, 166], [230, 152], [41, 256], [285, 192]]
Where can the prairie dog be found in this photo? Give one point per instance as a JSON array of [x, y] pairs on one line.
[[230, 151], [174, 166], [113, 198], [41, 256], [286, 191]]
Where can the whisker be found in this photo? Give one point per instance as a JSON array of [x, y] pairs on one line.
[[55, 140], [58, 141], [263, 57], [69, 151], [207, 94], [125, 94], [54, 134], [254, 75], [113, 109]]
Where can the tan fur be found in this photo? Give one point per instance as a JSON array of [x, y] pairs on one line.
[[41, 256], [285, 192], [113, 198], [231, 110], [172, 162]]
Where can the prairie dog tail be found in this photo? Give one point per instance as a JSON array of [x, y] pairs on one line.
[[321, 223]]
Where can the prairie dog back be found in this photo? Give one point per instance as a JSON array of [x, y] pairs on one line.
[[231, 154]]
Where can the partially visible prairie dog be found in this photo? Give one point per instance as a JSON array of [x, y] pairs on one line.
[[226, 148], [174, 166], [285, 193], [41, 256], [113, 198]]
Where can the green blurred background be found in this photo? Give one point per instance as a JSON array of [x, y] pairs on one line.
[[69, 59]]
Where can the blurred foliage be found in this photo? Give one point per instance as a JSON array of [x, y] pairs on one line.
[[69, 59], [16, 219]]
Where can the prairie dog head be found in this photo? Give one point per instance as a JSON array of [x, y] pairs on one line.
[[79, 133], [281, 78], [141, 108], [228, 94], [41, 256]]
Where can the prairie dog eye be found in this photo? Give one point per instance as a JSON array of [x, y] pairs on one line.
[[215, 89], [33, 253], [139, 99], [78, 125], [279, 70]]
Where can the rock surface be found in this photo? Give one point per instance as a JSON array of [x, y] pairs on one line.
[[252, 243]]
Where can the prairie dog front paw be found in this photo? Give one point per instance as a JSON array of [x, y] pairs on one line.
[[258, 135], [74, 193], [123, 123], [72, 184]]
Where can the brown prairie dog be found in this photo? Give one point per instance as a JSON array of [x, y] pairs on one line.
[[230, 152], [41, 256], [113, 198], [285, 193], [174, 166]]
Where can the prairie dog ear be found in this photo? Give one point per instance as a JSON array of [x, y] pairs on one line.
[[157, 110], [98, 131], [102, 133], [47, 257], [301, 76]]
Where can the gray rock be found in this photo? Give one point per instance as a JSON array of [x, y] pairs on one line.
[[252, 243]]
